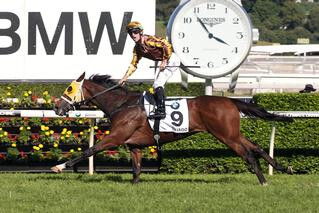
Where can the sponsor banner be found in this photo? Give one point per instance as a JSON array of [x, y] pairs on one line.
[[58, 40]]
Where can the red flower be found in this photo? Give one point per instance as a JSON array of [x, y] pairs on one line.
[[3, 120], [22, 154], [13, 137], [56, 136], [34, 98], [2, 156], [45, 119], [35, 136], [111, 152]]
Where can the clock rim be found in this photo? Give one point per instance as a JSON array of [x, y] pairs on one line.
[[220, 74]]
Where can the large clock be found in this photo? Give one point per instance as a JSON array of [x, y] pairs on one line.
[[211, 37]]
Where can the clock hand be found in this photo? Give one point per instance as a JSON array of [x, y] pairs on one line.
[[210, 35], [220, 40]]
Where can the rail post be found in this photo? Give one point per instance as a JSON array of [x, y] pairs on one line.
[[91, 143], [271, 147]]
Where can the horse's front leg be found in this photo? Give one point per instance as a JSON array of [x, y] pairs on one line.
[[136, 155], [103, 145]]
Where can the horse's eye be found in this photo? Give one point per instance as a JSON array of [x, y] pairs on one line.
[[69, 89]]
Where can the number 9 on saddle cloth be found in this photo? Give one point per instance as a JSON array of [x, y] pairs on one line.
[[176, 120]]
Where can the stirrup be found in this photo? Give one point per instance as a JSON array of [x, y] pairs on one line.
[[157, 115]]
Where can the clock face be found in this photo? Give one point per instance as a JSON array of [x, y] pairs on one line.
[[215, 35]]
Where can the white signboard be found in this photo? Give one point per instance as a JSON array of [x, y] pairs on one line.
[[59, 39]]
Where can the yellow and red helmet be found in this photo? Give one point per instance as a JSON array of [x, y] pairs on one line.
[[134, 26]]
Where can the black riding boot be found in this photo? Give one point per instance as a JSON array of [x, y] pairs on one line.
[[160, 102]]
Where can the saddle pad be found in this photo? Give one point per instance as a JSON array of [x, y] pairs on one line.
[[176, 120]]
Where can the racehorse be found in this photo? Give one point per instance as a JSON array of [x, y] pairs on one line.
[[220, 116]]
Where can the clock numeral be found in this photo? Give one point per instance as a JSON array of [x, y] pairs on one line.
[[185, 49], [239, 35], [235, 20], [187, 20], [210, 65], [225, 61], [211, 6], [196, 9], [235, 50], [181, 35], [196, 60], [226, 10]]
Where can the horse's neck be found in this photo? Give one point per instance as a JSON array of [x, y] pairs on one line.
[[111, 101]]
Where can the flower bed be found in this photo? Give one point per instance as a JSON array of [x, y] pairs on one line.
[[47, 141]]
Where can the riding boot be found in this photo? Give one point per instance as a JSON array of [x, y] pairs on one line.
[[160, 102]]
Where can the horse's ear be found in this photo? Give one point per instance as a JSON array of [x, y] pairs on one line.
[[81, 77]]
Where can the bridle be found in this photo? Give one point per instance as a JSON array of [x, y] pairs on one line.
[[78, 98]]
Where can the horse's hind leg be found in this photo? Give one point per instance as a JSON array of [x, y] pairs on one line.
[[248, 156], [136, 164], [259, 151]]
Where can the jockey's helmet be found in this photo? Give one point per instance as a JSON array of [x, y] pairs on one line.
[[134, 26]]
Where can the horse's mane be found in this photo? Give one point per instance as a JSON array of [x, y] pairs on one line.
[[103, 80]]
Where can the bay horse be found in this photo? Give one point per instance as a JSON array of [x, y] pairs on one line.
[[220, 116]]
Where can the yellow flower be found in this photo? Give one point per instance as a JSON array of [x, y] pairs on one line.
[[71, 150], [40, 146], [11, 108], [8, 93], [62, 137], [69, 132], [21, 128], [81, 133], [60, 121], [45, 93], [14, 145], [151, 90], [5, 133], [25, 94], [96, 127], [47, 128], [1, 135], [0, 129], [80, 122], [28, 128], [51, 132], [55, 145], [152, 150], [107, 132], [36, 148], [47, 133], [49, 101], [79, 149], [29, 92], [42, 127], [8, 88]]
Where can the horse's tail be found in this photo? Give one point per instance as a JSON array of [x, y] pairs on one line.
[[253, 110]]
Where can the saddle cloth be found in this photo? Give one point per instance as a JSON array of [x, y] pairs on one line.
[[176, 120]]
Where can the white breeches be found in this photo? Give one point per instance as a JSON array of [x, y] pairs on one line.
[[161, 77]]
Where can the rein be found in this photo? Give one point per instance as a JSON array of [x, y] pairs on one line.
[[94, 96]]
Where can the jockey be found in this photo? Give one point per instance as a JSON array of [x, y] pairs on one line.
[[156, 49]]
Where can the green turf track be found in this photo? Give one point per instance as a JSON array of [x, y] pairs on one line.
[[157, 193]]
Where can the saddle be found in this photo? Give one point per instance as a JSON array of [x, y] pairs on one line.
[[176, 120]]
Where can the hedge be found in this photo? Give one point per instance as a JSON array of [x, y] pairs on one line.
[[296, 143]]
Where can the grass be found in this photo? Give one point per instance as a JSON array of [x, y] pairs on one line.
[[157, 193]]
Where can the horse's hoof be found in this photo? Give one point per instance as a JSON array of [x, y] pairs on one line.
[[56, 169], [264, 184], [135, 181], [290, 170]]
